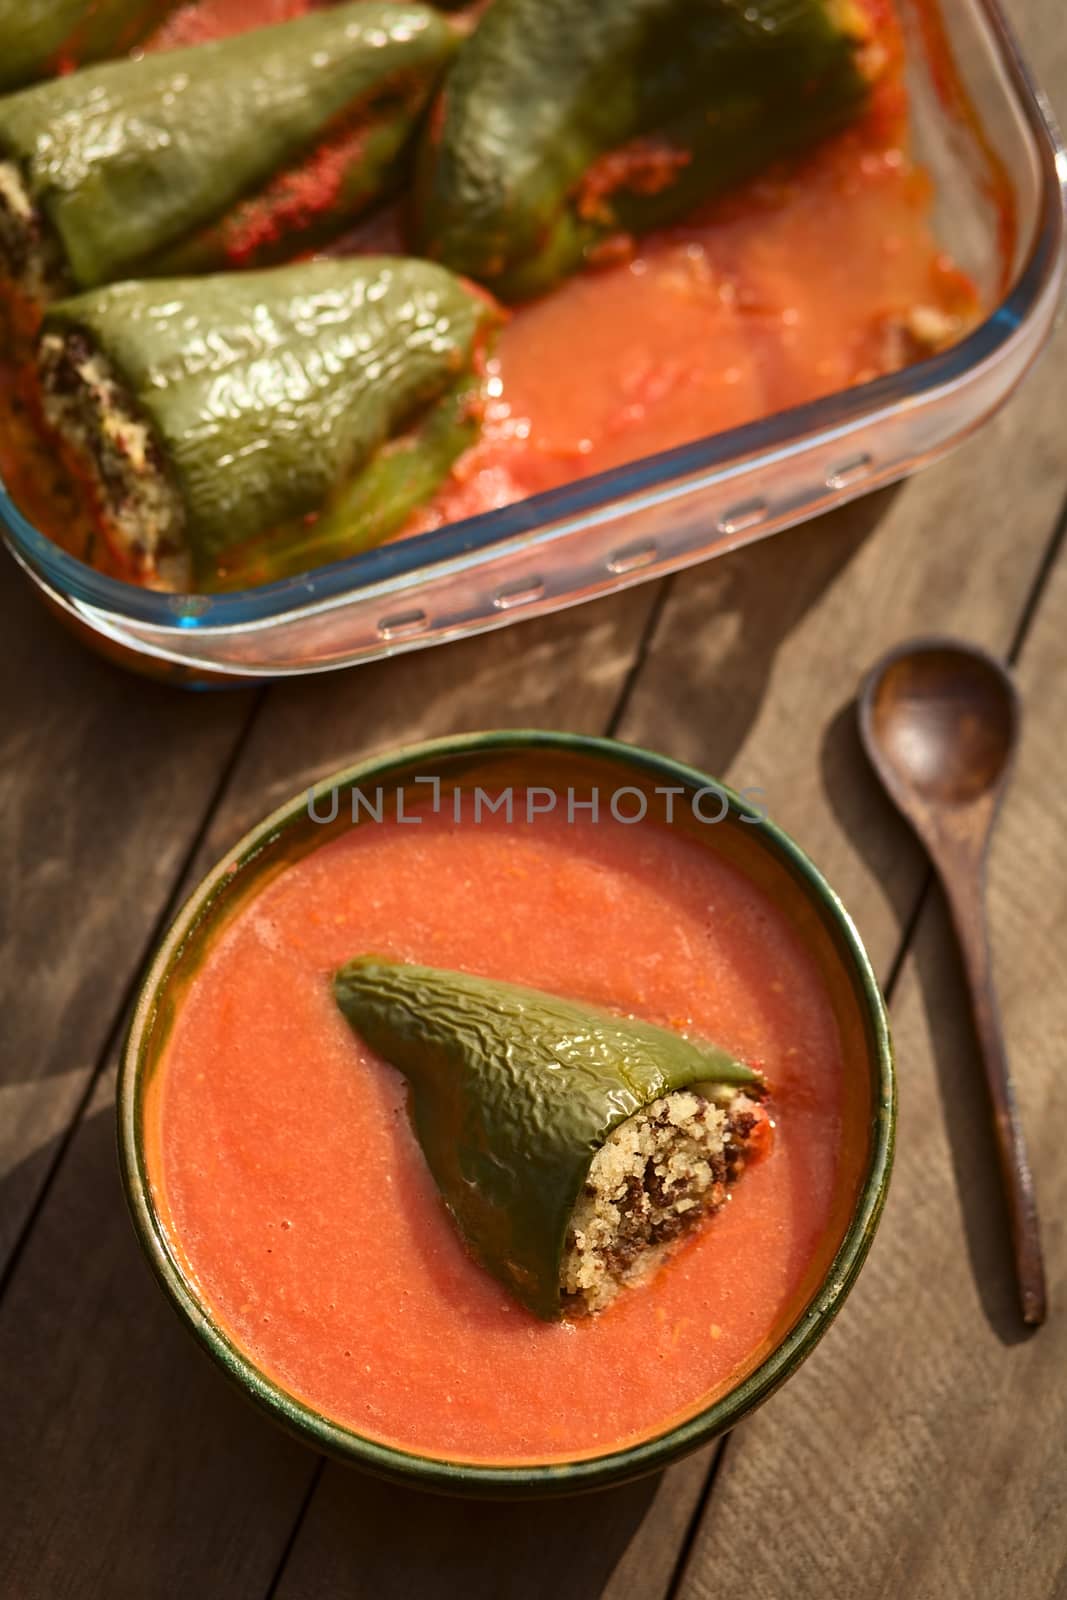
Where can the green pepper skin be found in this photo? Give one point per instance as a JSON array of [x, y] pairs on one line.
[[269, 228], [37, 36], [513, 1092], [544, 88], [127, 159], [373, 506], [267, 391]]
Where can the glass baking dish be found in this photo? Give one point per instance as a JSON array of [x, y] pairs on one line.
[[671, 510]]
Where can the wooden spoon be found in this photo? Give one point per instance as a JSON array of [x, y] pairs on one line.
[[939, 720]]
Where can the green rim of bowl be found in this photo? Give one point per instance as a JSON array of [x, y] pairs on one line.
[[521, 1480]]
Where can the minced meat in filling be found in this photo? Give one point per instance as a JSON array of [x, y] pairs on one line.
[[657, 1175], [88, 407], [29, 255]]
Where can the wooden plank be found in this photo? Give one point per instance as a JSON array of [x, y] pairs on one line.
[[921, 1451], [104, 780], [131, 1467], [565, 671], [363, 1539]]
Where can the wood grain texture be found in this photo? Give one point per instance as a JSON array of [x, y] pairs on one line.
[[131, 1469], [365, 1540], [104, 780], [921, 1450], [566, 671]]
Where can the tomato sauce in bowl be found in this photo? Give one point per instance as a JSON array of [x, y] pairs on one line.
[[293, 1197]]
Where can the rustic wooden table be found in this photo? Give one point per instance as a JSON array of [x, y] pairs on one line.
[[921, 1450]]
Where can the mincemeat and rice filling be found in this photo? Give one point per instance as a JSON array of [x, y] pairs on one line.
[[89, 408], [29, 255], [657, 1175]]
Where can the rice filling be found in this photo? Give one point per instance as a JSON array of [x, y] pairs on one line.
[[29, 254], [90, 409], [655, 1177]]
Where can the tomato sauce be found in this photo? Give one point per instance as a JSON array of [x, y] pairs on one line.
[[297, 1196], [798, 285]]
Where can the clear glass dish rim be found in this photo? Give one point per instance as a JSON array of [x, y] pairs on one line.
[[396, 568]]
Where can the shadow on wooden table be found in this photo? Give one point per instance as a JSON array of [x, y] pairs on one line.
[[708, 669], [968, 1119], [401, 1543], [867, 815]]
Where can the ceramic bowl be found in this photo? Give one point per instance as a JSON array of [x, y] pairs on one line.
[[493, 760]]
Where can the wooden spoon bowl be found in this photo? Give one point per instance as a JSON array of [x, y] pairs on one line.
[[944, 720]]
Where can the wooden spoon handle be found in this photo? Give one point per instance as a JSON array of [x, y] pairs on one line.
[[968, 915]]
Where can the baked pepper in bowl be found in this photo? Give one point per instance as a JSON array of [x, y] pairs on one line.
[[571, 1146]]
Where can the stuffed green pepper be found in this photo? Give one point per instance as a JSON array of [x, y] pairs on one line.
[[207, 412], [571, 1146], [566, 124], [40, 37], [240, 152]]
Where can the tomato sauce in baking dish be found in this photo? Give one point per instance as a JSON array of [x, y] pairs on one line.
[[297, 1199], [821, 274]]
